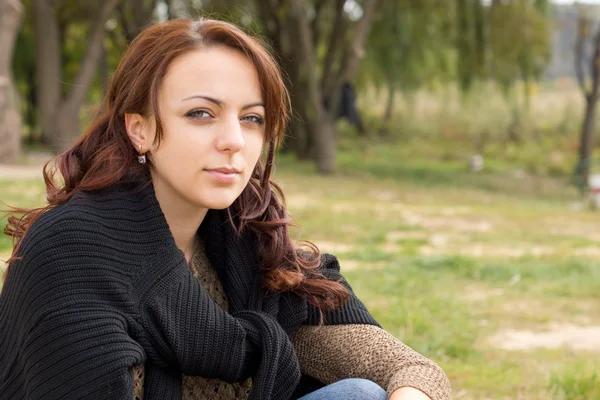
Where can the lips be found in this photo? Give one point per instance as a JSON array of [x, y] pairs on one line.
[[224, 174], [225, 170]]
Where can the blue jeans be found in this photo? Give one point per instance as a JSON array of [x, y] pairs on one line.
[[348, 389]]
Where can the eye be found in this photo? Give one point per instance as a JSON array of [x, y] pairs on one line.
[[254, 119], [198, 114]]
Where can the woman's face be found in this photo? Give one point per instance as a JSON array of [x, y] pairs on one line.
[[212, 114]]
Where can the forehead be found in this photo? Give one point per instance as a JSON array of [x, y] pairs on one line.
[[218, 71]]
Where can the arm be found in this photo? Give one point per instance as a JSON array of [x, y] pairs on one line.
[[189, 331], [331, 353], [79, 353], [408, 393]]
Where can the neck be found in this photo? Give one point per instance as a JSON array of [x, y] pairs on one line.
[[183, 217]]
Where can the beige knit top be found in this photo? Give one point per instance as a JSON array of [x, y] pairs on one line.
[[327, 353]]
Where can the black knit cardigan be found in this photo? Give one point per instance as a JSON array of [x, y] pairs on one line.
[[102, 287]]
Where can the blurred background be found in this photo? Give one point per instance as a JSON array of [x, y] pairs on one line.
[[445, 150]]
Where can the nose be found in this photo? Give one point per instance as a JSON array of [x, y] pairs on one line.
[[230, 137]]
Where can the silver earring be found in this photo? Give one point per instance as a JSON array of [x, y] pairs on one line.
[[141, 156]]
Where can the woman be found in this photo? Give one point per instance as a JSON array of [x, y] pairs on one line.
[[162, 267]]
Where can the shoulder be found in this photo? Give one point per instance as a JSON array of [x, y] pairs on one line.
[[60, 229], [74, 252], [99, 221]]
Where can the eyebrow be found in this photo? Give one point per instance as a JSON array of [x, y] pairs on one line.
[[220, 103]]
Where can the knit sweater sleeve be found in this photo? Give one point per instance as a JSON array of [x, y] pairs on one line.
[[79, 353], [334, 352], [63, 329], [186, 329]]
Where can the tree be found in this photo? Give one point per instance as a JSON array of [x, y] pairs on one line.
[[318, 62], [134, 15], [59, 112], [590, 91], [409, 47], [519, 47], [23, 67], [10, 119]]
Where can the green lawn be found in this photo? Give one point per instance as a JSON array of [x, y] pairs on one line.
[[461, 267]]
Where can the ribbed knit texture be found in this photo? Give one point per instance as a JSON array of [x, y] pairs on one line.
[[327, 353], [102, 287]]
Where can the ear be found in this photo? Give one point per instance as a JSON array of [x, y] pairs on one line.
[[138, 130]]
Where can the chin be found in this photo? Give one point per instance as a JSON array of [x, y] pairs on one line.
[[217, 201], [219, 206]]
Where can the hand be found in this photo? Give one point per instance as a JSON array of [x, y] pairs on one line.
[[408, 393]]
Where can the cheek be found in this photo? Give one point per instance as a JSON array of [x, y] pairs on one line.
[[254, 149], [183, 145]]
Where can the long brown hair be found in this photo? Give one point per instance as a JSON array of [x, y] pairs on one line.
[[104, 156]]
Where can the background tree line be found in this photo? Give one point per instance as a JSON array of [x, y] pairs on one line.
[[57, 57]]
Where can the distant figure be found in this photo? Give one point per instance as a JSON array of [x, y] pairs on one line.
[[348, 107]]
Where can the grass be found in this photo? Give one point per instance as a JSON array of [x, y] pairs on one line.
[[446, 259], [580, 382]]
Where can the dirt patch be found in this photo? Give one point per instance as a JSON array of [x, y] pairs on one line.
[[301, 202], [479, 294], [18, 172], [343, 208], [479, 250], [395, 236], [588, 251], [383, 195], [568, 227], [34, 162], [454, 211], [449, 223], [584, 338]]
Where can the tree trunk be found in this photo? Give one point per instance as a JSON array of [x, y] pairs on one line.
[[67, 125], [103, 72], [586, 142], [298, 140], [317, 121], [334, 46], [10, 118], [289, 25], [48, 66], [32, 104], [389, 108], [480, 42]]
